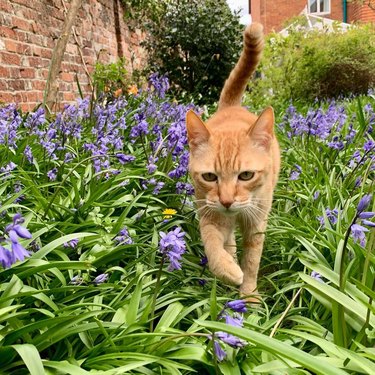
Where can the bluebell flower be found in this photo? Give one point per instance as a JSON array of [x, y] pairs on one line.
[[52, 174], [316, 195], [235, 320], [231, 340], [358, 234], [237, 305], [29, 154], [76, 280], [364, 203], [172, 246], [100, 279], [219, 351], [72, 243], [160, 84], [317, 276], [123, 237], [294, 175], [366, 215], [368, 223], [203, 261], [331, 215], [123, 159], [6, 258]]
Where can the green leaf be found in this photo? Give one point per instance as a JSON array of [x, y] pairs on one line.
[[30, 357], [276, 347]]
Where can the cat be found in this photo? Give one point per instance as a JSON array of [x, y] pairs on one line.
[[234, 165]]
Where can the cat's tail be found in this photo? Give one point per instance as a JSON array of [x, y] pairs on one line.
[[235, 85]]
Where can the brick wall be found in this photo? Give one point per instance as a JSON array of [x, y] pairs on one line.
[[28, 32], [274, 13], [358, 12]]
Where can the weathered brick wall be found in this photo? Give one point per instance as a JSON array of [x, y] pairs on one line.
[[28, 32]]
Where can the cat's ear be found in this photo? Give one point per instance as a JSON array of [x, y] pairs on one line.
[[261, 133], [196, 129]]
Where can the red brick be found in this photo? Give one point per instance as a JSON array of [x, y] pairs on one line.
[[7, 32], [4, 72], [6, 97], [27, 73], [19, 23], [10, 58]]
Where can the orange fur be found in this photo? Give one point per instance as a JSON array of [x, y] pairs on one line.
[[234, 164]]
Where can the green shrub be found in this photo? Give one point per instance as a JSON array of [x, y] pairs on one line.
[[196, 43], [110, 77], [305, 66]]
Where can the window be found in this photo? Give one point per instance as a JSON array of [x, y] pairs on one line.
[[319, 6]]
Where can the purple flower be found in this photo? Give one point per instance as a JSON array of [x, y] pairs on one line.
[[18, 252], [368, 223], [76, 280], [235, 320], [100, 279], [73, 243], [184, 188], [366, 215], [331, 215], [123, 237], [294, 175], [237, 305], [369, 145], [159, 83], [231, 340], [219, 351], [172, 245], [317, 276], [5, 257], [28, 153], [358, 234], [364, 202], [52, 174], [123, 159], [316, 195], [203, 261]]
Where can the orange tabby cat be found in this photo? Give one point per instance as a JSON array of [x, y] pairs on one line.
[[234, 164]]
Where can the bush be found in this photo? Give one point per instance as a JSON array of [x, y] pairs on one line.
[[307, 65], [196, 43]]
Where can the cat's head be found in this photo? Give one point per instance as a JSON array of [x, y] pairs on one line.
[[231, 158]]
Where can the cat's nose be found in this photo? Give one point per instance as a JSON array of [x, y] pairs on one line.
[[226, 203]]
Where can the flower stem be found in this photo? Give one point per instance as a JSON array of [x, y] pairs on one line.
[[156, 290]]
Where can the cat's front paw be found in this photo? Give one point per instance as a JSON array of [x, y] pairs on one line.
[[226, 269]]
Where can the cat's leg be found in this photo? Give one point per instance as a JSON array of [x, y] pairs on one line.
[[230, 245], [252, 252], [220, 256]]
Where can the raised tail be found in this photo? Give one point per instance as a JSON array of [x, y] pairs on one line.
[[235, 85]]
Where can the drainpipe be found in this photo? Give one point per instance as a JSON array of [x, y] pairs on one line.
[[344, 11]]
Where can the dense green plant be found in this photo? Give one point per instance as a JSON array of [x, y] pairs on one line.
[[196, 43], [112, 280], [306, 65], [108, 78]]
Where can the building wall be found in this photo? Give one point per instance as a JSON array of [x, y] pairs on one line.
[[361, 12], [274, 13], [28, 32]]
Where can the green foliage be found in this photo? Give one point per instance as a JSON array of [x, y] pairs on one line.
[[110, 77], [196, 43], [307, 65]]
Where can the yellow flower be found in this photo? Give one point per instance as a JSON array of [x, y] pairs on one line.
[[133, 90], [169, 212]]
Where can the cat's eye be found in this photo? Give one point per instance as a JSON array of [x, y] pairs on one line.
[[246, 176], [210, 177]]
